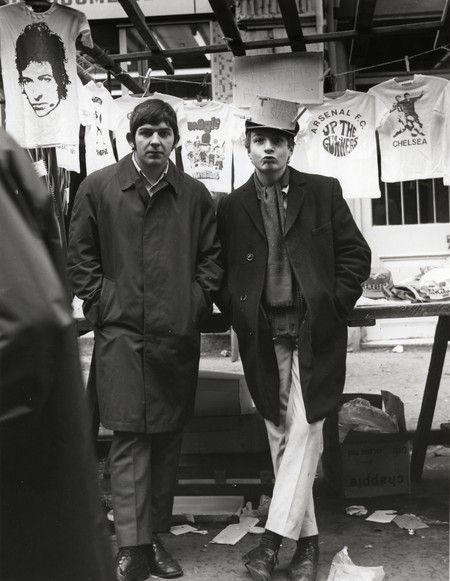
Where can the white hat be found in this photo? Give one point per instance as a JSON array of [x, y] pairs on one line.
[[269, 113]]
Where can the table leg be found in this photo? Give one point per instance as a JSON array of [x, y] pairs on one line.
[[421, 436]]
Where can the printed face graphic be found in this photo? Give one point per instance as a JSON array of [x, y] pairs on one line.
[[40, 87]]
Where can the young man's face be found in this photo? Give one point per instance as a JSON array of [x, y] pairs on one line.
[[40, 87], [153, 145], [269, 150]]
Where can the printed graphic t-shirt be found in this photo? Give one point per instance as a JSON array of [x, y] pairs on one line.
[[206, 145], [39, 71], [100, 117], [442, 108], [125, 106], [337, 139], [411, 136]]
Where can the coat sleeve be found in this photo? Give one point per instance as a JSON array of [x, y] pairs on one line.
[[352, 254], [222, 297], [208, 272], [84, 259]]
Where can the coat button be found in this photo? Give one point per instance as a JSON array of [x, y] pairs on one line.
[[250, 256], [243, 298]]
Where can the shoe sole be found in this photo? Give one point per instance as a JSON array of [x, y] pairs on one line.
[[169, 576], [257, 575], [138, 577]]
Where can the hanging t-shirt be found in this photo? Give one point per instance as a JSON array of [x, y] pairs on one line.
[[206, 147], [242, 166], [39, 71], [125, 106], [99, 117], [337, 139], [442, 108], [411, 137]]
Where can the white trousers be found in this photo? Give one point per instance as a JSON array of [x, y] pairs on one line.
[[295, 447]]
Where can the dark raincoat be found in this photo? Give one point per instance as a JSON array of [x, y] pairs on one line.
[[145, 268]]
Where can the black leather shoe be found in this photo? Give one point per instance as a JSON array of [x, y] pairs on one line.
[[131, 564], [260, 563], [305, 561], [161, 561]]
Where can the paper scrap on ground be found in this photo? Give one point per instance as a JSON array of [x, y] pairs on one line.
[[256, 530], [343, 569], [356, 510], [410, 522], [382, 516], [234, 533], [183, 529]]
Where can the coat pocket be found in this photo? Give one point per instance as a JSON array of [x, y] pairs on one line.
[[199, 306], [321, 229]]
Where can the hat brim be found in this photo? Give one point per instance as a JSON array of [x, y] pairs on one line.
[[249, 125]]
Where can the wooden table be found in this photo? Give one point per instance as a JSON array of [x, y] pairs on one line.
[[365, 316]]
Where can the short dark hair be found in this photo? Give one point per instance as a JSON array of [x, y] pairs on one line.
[[154, 111], [290, 139], [38, 44]]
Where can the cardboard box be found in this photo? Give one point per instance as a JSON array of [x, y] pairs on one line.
[[222, 394], [368, 464], [225, 435]]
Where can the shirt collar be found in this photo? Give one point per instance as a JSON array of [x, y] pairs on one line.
[[141, 173]]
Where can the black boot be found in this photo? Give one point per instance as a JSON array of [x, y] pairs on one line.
[[260, 562], [161, 561], [305, 561], [131, 564]]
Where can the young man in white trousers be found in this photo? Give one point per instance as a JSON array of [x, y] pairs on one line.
[[294, 262]]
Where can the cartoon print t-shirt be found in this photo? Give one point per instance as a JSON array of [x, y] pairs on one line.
[[442, 108], [125, 106], [99, 115], [411, 137], [206, 144], [39, 72], [337, 139]]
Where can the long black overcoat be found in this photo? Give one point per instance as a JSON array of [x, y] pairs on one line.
[[329, 258], [145, 268]]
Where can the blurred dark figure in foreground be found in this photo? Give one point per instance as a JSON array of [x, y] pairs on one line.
[[51, 526]]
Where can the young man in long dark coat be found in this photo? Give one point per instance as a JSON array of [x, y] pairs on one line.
[[294, 263], [143, 255]]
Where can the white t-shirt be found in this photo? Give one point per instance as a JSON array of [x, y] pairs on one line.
[[411, 137], [442, 108], [206, 146], [337, 139], [125, 106], [39, 71], [100, 117]]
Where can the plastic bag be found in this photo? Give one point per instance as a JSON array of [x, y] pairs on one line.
[[343, 569], [357, 414]]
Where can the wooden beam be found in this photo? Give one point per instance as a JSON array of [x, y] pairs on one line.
[[137, 18], [443, 35], [276, 42], [227, 23], [105, 61], [365, 11], [292, 24]]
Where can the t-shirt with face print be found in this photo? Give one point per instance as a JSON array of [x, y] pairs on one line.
[[38, 57]]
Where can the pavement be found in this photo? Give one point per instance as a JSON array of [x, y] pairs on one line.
[[404, 557]]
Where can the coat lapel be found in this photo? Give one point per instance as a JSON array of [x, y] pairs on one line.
[[296, 197], [250, 202]]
